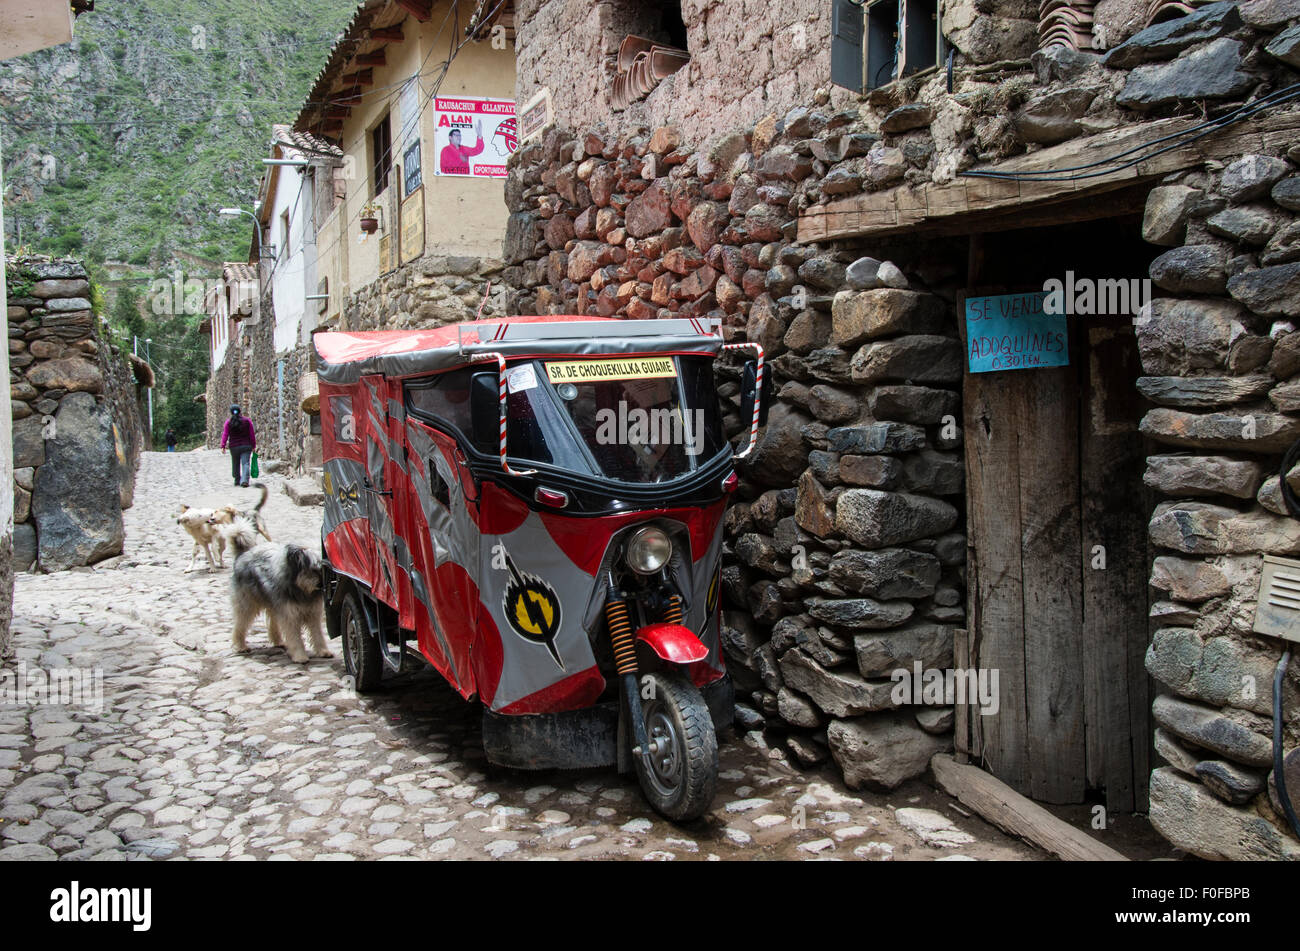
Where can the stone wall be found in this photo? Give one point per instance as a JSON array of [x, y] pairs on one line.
[[222, 390], [1222, 355], [845, 557], [77, 430], [268, 397], [430, 291]]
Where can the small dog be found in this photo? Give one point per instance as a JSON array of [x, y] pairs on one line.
[[204, 526], [284, 581]]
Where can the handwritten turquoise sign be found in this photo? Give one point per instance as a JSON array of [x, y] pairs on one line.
[[1013, 332]]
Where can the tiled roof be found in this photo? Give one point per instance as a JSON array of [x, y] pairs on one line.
[[304, 143], [233, 272]]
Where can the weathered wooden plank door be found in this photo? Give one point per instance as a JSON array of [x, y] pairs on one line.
[[1057, 586], [1057, 553], [1026, 585]]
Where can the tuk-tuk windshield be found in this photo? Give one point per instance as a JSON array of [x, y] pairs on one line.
[[640, 419]]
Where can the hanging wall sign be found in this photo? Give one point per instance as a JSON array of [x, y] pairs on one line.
[[537, 115], [473, 138], [1013, 332], [413, 226], [411, 173]]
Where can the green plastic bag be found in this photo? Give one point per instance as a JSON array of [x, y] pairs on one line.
[[252, 469]]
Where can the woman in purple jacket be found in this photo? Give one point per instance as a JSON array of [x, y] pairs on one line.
[[238, 433]]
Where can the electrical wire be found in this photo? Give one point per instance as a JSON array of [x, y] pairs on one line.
[[455, 49], [1177, 140], [343, 99]]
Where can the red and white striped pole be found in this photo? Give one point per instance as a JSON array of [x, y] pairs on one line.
[[758, 394], [501, 390]]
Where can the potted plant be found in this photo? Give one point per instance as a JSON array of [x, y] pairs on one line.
[[370, 218]]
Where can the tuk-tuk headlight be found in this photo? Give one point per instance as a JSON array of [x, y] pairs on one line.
[[648, 550]]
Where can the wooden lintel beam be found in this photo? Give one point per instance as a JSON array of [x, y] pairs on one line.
[[964, 204], [422, 10], [375, 58]]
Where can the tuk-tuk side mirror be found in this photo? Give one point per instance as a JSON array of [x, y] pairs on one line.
[[485, 412], [749, 391]]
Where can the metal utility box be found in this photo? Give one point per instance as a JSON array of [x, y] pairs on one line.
[[1277, 612]]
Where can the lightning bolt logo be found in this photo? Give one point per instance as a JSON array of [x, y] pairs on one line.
[[533, 609]]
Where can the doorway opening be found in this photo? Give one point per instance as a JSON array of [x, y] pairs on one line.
[[1057, 513]]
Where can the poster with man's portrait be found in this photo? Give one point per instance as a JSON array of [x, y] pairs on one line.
[[473, 138]]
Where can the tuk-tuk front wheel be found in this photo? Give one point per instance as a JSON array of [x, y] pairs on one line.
[[360, 647], [681, 777]]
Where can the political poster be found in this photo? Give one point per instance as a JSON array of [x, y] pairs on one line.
[[473, 138]]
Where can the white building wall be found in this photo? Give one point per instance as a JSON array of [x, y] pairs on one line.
[[293, 264]]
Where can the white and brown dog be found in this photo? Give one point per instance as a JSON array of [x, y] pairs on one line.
[[284, 581], [204, 526], [254, 514]]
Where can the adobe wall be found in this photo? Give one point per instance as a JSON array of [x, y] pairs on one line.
[[747, 59]]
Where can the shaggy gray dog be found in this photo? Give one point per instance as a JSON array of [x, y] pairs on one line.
[[282, 580]]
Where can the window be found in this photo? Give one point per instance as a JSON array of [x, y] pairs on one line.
[[443, 399], [284, 232], [381, 155], [652, 48], [883, 31], [875, 43], [671, 25]]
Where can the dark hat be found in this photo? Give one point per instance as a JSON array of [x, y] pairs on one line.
[[234, 409]]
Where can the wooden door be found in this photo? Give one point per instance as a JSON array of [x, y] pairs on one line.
[[1057, 567], [1025, 584]]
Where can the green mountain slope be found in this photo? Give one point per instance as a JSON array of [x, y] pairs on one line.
[[120, 146]]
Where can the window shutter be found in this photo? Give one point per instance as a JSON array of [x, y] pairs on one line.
[[846, 44]]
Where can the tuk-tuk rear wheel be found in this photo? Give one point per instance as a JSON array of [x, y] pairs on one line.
[[360, 647], [682, 777]]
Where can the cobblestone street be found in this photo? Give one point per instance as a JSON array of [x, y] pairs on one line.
[[201, 753]]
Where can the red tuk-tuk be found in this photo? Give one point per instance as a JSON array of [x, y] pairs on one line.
[[536, 504]]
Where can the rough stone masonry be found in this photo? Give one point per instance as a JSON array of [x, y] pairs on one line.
[[77, 431], [845, 559]]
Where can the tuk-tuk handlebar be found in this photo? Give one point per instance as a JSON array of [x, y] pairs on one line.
[[501, 389], [758, 393]]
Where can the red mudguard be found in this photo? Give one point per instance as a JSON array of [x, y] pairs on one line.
[[673, 643]]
